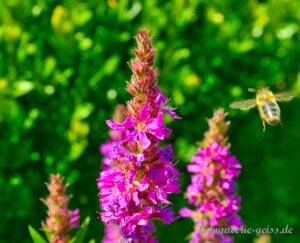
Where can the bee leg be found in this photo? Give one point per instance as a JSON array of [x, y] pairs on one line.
[[264, 125]]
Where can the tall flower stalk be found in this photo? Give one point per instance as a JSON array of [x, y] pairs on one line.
[[60, 220], [212, 189], [112, 231], [134, 191]]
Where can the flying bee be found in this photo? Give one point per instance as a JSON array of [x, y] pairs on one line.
[[266, 102]]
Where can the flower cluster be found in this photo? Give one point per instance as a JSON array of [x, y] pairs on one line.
[[217, 131], [212, 189], [111, 231], [60, 219], [111, 234], [106, 149], [134, 190]]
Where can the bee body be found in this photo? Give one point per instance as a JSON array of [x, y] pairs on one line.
[[266, 103], [268, 108]]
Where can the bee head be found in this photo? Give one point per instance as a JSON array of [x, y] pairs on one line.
[[265, 93]]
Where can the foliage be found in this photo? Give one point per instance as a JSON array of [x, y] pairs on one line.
[[78, 238], [63, 70], [36, 237]]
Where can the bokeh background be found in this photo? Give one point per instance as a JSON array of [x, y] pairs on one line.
[[63, 67]]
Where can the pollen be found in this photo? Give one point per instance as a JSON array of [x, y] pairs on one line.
[[141, 126]]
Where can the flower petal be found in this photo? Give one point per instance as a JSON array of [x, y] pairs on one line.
[[186, 212], [145, 142], [144, 113]]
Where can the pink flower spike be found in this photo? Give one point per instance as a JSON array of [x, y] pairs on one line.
[[60, 219], [211, 191], [134, 189]]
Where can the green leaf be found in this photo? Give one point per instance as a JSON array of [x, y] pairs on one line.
[[134, 11], [111, 65], [78, 238], [36, 237], [82, 17], [49, 66], [22, 87], [82, 111]]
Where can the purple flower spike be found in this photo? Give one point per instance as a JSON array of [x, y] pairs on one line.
[[108, 150], [212, 190], [135, 186], [60, 220]]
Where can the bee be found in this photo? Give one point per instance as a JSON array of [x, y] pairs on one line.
[[266, 102]]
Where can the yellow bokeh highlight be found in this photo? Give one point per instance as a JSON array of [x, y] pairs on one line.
[[60, 20], [215, 16], [3, 84], [112, 3], [192, 81], [12, 32]]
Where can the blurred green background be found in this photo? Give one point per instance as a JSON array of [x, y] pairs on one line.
[[63, 67]]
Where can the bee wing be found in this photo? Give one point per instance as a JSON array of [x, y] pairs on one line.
[[243, 104], [284, 96]]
